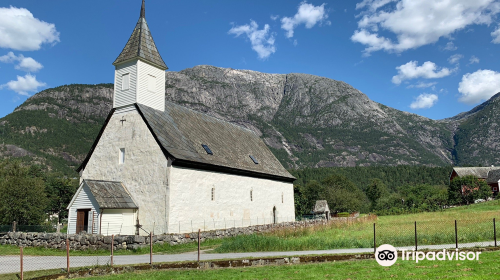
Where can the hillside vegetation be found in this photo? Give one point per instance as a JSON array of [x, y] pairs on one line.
[[307, 121]]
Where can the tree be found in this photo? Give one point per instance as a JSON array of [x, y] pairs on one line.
[[342, 195], [467, 189], [375, 191], [305, 197], [22, 194], [60, 191]]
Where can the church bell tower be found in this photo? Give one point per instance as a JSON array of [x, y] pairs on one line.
[[140, 70]]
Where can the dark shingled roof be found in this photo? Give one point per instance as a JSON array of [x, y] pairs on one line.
[[479, 172], [493, 176], [111, 195], [321, 206], [141, 45], [181, 132]]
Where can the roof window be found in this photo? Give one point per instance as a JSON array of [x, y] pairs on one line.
[[254, 160], [207, 149]]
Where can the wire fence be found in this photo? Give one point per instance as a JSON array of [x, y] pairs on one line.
[[438, 234], [27, 262]]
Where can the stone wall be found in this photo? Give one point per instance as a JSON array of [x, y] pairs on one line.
[[89, 241]]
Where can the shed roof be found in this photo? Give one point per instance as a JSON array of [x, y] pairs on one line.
[[111, 195], [321, 207], [479, 172], [181, 132], [493, 176], [141, 45]]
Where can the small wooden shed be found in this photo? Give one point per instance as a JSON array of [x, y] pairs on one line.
[[321, 208], [102, 207]]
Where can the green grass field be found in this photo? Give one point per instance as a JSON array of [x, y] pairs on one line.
[[486, 268], [475, 223]]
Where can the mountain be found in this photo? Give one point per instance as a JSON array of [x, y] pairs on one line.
[[306, 120]]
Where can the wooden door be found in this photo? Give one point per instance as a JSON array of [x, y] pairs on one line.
[[82, 217], [80, 220]]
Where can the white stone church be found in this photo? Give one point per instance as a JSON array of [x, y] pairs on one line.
[[157, 166]]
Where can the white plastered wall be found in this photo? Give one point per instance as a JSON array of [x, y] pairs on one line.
[[192, 207], [144, 172]]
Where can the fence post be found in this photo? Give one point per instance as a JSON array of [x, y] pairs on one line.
[[151, 248], [456, 235], [112, 247], [67, 256], [416, 244], [14, 226], [22, 271], [495, 231], [374, 240], [199, 231]]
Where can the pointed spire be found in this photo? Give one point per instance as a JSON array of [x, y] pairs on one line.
[[143, 10], [141, 44]]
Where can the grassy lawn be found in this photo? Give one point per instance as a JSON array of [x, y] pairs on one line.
[[486, 268], [30, 274], [475, 223]]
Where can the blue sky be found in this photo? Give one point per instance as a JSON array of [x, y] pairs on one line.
[[432, 58]]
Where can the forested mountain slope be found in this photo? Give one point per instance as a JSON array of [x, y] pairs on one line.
[[306, 120]]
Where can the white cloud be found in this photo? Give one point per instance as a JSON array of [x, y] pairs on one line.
[[307, 14], [20, 30], [262, 40], [24, 85], [454, 59], [373, 5], [27, 64], [422, 85], [417, 23], [450, 46], [424, 101], [275, 17], [478, 86], [473, 59], [411, 70], [496, 35]]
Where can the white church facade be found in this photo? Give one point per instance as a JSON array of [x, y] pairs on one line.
[[159, 167]]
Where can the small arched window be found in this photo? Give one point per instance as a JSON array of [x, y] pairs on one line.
[[213, 194], [281, 197], [251, 195]]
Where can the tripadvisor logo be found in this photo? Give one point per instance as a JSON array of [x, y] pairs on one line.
[[387, 255]]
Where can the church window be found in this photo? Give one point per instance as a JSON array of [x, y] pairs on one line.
[[254, 159], [151, 83], [213, 194], [121, 158], [125, 81], [281, 197], [251, 195], [207, 149]]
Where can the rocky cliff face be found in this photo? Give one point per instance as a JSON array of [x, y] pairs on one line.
[[313, 121], [307, 121]]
